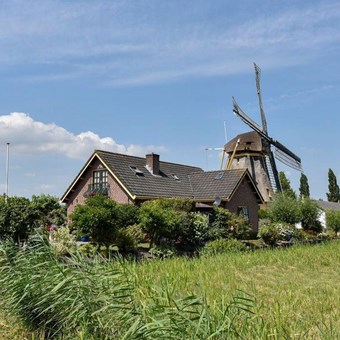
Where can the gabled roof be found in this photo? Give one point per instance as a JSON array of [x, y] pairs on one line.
[[222, 183], [325, 205], [174, 180], [148, 185]]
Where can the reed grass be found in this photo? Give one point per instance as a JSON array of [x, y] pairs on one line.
[[274, 294]]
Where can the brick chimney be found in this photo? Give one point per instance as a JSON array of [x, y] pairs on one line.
[[152, 163]]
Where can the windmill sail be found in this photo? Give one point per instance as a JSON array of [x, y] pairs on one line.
[[250, 149], [258, 87]]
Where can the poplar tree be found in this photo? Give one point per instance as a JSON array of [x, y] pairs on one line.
[[333, 194], [285, 185], [304, 186]]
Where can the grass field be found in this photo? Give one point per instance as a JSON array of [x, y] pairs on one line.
[[295, 292]]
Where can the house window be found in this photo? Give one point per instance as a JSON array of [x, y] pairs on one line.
[[243, 211], [99, 179]]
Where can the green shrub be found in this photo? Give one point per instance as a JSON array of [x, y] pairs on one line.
[[87, 249], [125, 241], [62, 241], [333, 220], [137, 233], [273, 232], [163, 252], [310, 213], [164, 219], [127, 215], [97, 218], [222, 246], [263, 213], [285, 209], [195, 232], [226, 224]]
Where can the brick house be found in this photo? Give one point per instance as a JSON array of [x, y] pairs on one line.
[[132, 180]]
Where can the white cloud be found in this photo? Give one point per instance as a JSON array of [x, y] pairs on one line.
[[28, 136]]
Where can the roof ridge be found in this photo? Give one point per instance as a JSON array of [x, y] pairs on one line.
[[143, 158]]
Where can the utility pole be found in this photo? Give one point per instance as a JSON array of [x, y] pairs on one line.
[[7, 173]]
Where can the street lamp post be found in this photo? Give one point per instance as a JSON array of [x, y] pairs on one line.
[[7, 173]]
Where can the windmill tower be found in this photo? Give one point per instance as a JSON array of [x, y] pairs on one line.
[[253, 150]]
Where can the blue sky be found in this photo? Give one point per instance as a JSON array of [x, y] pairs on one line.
[[149, 75]]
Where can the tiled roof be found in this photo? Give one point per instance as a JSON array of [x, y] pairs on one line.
[[174, 180], [325, 205], [211, 184], [148, 185]]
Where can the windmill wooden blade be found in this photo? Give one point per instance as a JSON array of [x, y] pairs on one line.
[[258, 87], [286, 156], [238, 111]]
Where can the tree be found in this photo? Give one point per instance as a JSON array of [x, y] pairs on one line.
[[165, 218], [304, 186], [333, 220], [333, 194], [16, 218], [97, 218], [285, 209], [285, 184], [47, 210], [310, 213]]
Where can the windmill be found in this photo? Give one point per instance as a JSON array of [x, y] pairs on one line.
[[253, 150]]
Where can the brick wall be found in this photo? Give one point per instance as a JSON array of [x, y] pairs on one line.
[[245, 197], [76, 197]]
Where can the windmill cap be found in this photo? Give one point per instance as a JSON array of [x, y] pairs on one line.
[[249, 141]]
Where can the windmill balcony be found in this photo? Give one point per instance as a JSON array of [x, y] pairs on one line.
[[97, 189]]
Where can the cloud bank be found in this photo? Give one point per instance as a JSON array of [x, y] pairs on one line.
[[30, 137]]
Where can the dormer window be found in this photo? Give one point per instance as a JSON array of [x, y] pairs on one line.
[[174, 176], [219, 175], [136, 170]]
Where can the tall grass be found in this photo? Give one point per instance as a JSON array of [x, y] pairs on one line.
[[100, 299], [296, 291]]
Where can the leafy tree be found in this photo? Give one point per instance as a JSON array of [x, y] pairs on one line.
[[284, 208], [97, 218], [16, 218], [127, 215], [310, 213], [285, 184], [47, 210], [333, 194], [333, 220], [165, 218], [304, 186]]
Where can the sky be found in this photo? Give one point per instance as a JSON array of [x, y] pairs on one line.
[[140, 76]]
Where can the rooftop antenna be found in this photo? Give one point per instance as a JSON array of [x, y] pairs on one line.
[[7, 173], [225, 131]]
